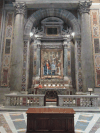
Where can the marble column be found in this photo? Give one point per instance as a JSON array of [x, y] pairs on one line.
[[17, 48], [86, 46], [38, 59], [2, 33], [65, 58]]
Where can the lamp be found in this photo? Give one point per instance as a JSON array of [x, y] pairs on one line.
[[31, 34], [90, 90], [73, 34]]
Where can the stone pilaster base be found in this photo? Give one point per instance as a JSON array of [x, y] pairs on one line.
[[80, 93], [3, 91], [24, 92]]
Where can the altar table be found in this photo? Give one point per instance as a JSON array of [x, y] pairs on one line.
[[50, 120]]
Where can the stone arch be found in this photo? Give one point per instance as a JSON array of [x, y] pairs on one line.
[[65, 15]]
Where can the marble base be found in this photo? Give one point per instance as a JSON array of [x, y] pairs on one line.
[[59, 91], [3, 91]]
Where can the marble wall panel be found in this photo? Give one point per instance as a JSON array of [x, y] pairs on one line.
[[1, 5], [6, 61], [79, 76], [95, 27], [5, 73], [25, 64], [96, 45], [95, 31], [94, 17], [97, 60], [5, 77], [7, 46], [98, 76]]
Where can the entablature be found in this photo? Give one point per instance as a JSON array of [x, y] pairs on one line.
[[65, 4]]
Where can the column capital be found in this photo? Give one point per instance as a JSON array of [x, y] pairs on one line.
[[65, 44], [20, 7], [84, 7]]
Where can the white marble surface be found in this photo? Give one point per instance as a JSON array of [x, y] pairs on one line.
[[83, 122]]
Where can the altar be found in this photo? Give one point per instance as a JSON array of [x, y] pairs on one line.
[[60, 91], [50, 120]]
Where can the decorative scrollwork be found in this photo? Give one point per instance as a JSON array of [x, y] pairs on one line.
[[84, 7], [67, 31], [36, 31], [67, 34]]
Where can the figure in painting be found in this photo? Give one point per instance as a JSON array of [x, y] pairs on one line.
[[47, 68], [52, 63], [58, 67], [53, 68]]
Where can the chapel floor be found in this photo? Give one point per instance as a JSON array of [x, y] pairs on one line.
[[15, 121]]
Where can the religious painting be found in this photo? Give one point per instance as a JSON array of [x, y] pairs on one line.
[[51, 63]]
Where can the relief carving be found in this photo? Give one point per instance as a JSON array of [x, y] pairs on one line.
[[20, 8], [84, 7], [52, 46]]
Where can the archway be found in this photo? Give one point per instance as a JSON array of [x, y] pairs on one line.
[[65, 15]]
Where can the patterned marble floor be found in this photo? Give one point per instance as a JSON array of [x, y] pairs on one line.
[[15, 122]]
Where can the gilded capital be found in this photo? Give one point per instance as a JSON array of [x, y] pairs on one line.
[[84, 7], [20, 7]]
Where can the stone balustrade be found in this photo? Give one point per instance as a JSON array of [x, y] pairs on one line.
[[64, 100], [24, 100], [78, 100]]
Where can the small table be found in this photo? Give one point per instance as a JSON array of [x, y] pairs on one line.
[[50, 120]]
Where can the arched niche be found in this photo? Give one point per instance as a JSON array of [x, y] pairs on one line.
[[65, 15], [43, 15]]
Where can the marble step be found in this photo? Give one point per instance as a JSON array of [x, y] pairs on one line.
[[51, 103]]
